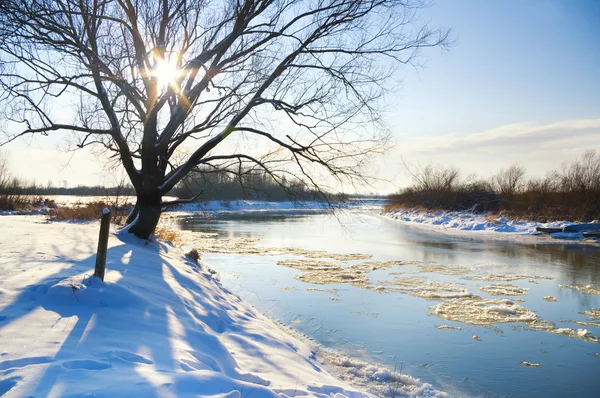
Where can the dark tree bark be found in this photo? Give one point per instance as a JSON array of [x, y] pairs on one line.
[[147, 215]]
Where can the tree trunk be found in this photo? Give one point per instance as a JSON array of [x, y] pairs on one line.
[[145, 215], [133, 214]]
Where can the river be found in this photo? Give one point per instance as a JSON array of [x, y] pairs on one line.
[[397, 327]]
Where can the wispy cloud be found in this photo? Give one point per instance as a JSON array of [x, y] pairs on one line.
[[522, 137]]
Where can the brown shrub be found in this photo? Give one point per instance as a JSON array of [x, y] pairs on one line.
[[167, 234], [194, 255], [88, 212]]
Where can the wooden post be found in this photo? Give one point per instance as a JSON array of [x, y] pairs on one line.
[[102, 245]]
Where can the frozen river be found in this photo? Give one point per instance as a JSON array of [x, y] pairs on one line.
[[393, 318]]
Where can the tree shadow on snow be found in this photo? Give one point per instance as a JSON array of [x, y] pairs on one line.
[[145, 330]]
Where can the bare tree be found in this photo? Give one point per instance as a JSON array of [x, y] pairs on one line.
[[4, 176], [296, 84], [433, 177], [508, 181], [583, 174]]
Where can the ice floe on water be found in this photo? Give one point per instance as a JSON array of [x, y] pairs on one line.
[[504, 290], [211, 243], [550, 299], [479, 311], [586, 289], [530, 364], [425, 289], [593, 314], [338, 275], [324, 272], [308, 265], [505, 277], [444, 269], [448, 327]]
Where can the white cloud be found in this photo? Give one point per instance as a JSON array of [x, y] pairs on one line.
[[538, 147], [522, 137]]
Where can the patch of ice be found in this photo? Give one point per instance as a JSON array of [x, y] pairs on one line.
[[530, 364], [506, 277], [586, 289], [504, 290], [448, 327], [444, 269], [425, 289], [478, 311]]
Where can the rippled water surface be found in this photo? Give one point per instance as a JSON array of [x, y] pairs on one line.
[[398, 329]]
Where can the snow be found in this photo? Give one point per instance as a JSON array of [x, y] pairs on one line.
[[159, 325], [480, 222]]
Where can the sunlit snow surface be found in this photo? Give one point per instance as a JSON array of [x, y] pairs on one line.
[[467, 221], [159, 325]]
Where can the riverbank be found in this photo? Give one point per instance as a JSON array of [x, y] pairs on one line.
[[160, 325], [467, 222]]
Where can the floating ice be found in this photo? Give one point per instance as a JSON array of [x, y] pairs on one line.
[[506, 277], [531, 364], [448, 327], [504, 290], [426, 289], [567, 331], [583, 333], [593, 314], [336, 275], [209, 243], [550, 299], [444, 269], [586, 289], [324, 272], [478, 311], [309, 265]]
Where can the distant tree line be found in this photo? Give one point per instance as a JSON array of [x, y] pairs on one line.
[[570, 193], [250, 184], [201, 185]]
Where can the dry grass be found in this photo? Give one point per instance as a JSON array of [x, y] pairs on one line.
[[17, 202], [167, 234], [88, 212]]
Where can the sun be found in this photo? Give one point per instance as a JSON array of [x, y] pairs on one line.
[[166, 72]]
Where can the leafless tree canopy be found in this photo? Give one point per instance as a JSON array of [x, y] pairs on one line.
[[295, 84], [433, 177], [510, 180]]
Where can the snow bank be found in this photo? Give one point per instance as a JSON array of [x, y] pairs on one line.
[[469, 221], [158, 326]]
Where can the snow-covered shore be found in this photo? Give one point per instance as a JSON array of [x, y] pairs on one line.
[[467, 221], [159, 325]]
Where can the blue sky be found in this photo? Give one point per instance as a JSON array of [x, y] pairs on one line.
[[525, 73], [514, 61], [521, 84]]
